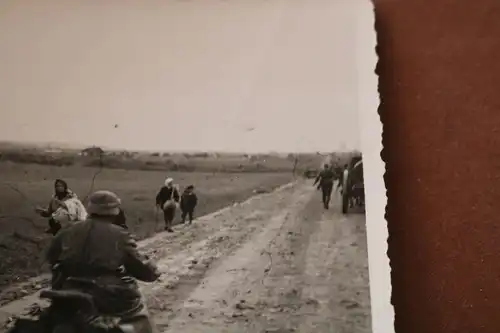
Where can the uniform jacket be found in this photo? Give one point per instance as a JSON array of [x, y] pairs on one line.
[[325, 177], [107, 253]]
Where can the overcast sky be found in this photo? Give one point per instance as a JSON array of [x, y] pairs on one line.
[[238, 75]]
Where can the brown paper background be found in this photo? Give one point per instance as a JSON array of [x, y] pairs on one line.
[[439, 71]]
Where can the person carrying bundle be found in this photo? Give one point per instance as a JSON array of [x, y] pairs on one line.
[[64, 207], [167, 199]]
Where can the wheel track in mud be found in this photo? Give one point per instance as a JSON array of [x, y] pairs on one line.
[[219, 278], [318, 282], [209, 230], [184, 270], [290, 228]]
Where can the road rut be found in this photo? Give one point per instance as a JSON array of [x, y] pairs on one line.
[[276, 263]]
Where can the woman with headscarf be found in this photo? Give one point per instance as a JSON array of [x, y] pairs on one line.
[[63, 207], [167, 199]]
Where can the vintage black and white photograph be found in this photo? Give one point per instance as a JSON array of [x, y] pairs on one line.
[[194, 166]]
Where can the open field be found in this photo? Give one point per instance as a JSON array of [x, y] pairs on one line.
[[167, 161], [277, 262], [25, 185], [160, 161]]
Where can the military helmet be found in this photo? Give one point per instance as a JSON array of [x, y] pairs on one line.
[[105, 203]]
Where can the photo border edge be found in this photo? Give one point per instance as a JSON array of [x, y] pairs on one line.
[[371, 129]]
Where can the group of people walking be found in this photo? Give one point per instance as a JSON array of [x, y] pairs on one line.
[[101, 248], [168, 198], [65, 207]]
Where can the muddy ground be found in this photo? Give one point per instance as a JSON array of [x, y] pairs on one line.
[[276, 263], [23, 186]]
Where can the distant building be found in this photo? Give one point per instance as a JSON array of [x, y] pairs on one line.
[[53, 151], [92, 152]]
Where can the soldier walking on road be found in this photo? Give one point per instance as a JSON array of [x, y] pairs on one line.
[[325, 183]]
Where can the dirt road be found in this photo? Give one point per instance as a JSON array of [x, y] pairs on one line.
[[275, 263]]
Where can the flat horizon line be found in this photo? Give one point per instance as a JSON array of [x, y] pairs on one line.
[[77, 146]]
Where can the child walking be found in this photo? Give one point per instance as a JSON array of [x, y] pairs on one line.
[[189, 200]]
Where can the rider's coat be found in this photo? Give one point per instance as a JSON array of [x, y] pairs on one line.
[[107, 253]]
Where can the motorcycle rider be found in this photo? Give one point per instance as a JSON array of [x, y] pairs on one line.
[[106, 253]]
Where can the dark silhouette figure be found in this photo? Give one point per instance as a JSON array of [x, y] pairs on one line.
[[324, 182], [189, 200]]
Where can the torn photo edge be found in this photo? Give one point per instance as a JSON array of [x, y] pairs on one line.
[[375, 189]]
